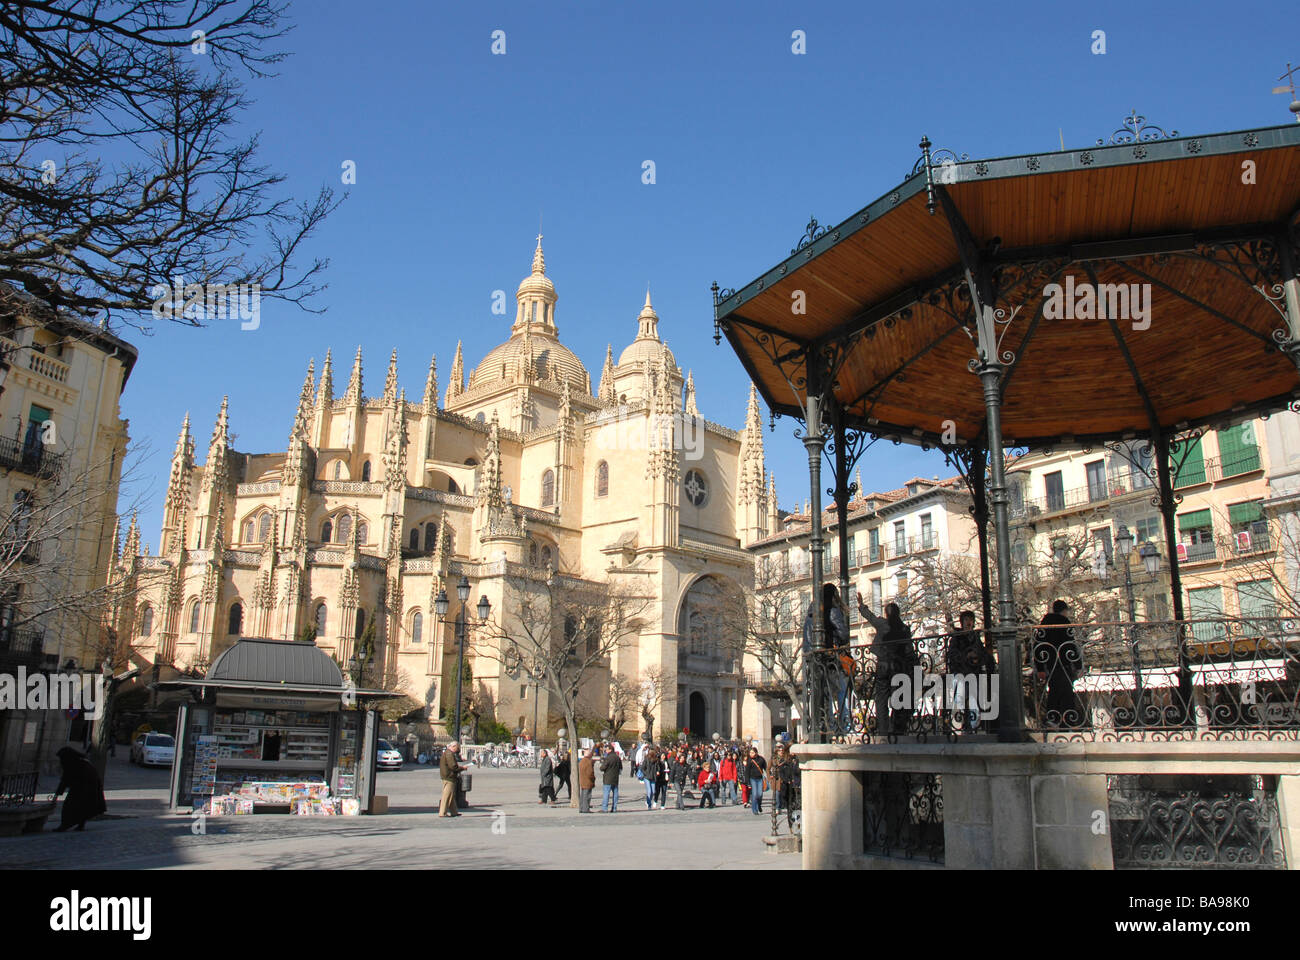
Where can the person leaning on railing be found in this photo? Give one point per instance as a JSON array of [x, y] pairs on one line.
[[1058, 661], [835, 663], [895, 653], [968, 657]]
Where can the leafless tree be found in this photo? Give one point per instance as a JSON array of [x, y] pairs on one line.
[[563, 631], [624, 698], [766, 622], [120, 171], [650, 696]]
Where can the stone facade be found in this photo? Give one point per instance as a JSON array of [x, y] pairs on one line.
[[380, 502]]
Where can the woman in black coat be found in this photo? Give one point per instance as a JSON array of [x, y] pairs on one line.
[[562, 776], [85, 791]]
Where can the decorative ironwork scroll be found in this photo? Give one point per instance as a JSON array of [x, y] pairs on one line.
[[811, 233], [1136, 129], [902, 815], [1207, 823]]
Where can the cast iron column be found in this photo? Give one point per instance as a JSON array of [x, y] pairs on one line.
[[814, 442], [1160, 443], [1011, 710]]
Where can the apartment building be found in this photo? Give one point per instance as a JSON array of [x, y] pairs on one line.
[[1229, 519], [62, 441], [893, 538]]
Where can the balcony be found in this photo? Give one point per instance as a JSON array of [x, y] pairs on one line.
[[26, 647], [1080, 498], [1215, 469], [33, 459]]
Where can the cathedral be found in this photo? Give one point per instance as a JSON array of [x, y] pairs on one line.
[[379, 503]]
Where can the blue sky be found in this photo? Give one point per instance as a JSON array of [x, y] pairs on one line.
[[458, 152]]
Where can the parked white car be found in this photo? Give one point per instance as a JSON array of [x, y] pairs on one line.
[[388, 758], [153, 750]]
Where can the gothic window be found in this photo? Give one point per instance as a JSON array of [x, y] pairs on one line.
[[431, 536], [322, 614], [697, 488], [146, 622], [548, 488], [264, 527], [361, 624], [547, 557], [451, 486], [338, 468], [326, 531], [345, 528], [250, 531], [532, 553], [415, 539], [363, 532], [194, 617], [417, 627], [365, 472], [235, 625], [602, 479]]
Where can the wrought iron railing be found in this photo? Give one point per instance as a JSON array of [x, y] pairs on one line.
[[31, 458], [18, 789], [1214, 678], [902, 815], [1215, 822]]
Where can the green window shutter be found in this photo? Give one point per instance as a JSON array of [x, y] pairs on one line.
[[1194, 520], [1245, 512], [1256, 599], [1193, 468], [1238, 452]]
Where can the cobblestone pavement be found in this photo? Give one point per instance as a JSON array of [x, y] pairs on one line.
[[505, 827]]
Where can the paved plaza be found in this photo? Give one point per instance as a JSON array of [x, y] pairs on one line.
[[504, 828]]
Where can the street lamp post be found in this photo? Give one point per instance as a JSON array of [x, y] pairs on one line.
[[1151, 561], [440, 605]]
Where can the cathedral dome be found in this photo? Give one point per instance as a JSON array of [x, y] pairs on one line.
[[647, 345]]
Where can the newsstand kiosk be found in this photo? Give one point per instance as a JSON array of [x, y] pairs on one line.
[[275, 728]]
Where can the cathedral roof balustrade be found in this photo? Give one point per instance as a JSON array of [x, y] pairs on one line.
[[257, 489], [247, 557], [439, 496], [347, 486]]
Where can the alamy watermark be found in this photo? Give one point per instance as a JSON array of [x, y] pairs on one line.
[[54, 691], [967, 692], [657, 431], [208, 301], [1088, 301]]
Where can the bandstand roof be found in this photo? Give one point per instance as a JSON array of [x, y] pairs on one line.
[[886, 291]]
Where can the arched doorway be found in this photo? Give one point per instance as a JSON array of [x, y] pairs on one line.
[[698, 715]]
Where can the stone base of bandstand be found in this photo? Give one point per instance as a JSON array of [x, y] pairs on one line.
[[783, 844], [1021, 806]]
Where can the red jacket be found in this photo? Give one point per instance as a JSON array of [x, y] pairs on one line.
[[705, 778], [728, 770]]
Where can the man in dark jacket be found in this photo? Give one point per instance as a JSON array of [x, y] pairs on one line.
[[546, 789], [611, 768], [451, 769], [586, 781], [1058, 659], [85, 791]]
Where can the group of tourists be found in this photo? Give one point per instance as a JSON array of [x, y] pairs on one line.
[[710, 775], [848, 693]]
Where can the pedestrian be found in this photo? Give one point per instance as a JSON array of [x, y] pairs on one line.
[[1058, 660], [562, 770], [707, 781], [661, 781], [895, 654], [648, 773], [966, 659], [450, 769], [611, 768], [834, 665], [679, 771], [85, 790], [756, 777], [785, 777], [586, 781], [727, 777], [546, 788]]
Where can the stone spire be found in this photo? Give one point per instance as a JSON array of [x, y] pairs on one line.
[[325, 396], [431, 385], [131, 546], [395, 448], [539, 259], [607, 376], [354, 382], [390, 381], [217, 469], [457, 385], [488, 492], [691, 408], [300, 434], [178, 483], [857, 478], [647, 321], [302, 421], [773, 519], [115, 545], [218, 542]]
